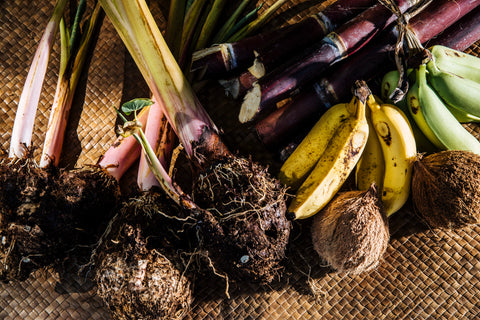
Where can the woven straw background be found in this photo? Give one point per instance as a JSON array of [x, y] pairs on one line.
[[425, 274]]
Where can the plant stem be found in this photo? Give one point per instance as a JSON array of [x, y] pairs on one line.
[[27, 106], [161, 137], [225, 29], [257, 23], [218, 61], [124, 151], [65, 91], [192, 18], [337, 45], [171, 91], [176, 16], [210, 23]]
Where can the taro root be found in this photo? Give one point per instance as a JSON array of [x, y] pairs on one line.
[[139, 272], [446, 188], [24, 246], [252, 237], [23, 249], [245, 230], [23, 187], [47, 212], [351, 232]]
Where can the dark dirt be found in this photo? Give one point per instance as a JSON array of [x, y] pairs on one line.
[[140, 272], [47, 213], [243, 224]]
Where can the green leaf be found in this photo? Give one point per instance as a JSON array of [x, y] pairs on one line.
[[135, 105]]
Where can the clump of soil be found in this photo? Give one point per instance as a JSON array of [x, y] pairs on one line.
[[139, 272], [46, 212], [243, 224], [446, 188], [23, 249], [351, 233], [24, 187]]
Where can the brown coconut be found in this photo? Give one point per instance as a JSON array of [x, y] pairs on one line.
[[446, 188], [351, 233]]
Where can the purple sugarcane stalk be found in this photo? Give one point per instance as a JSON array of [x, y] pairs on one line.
[[221, 59], [286, 79], [282, 125]]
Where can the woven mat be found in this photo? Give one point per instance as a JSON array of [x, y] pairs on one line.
[[425, 274]]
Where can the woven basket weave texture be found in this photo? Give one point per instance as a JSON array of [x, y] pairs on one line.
[[425, 274]]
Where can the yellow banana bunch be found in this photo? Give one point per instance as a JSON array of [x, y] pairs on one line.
[[337, 159], [398, 147], [299, 164]]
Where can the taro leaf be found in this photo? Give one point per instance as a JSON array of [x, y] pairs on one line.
[[135, 105]]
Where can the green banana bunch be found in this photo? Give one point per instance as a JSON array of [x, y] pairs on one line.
[[448, 131], [456, 62], [389, 81], [399, 151], [301, 162], [337, 160], [459, 93]]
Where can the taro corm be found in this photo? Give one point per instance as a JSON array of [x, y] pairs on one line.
[[46, 211], [238, 207]]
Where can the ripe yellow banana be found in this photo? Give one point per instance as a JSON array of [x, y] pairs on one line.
[[448, 130], [336, 162], [371, 167], [399, 151], [299, 164]]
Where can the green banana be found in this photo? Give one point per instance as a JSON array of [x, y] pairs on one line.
[[299, 164], [389, 81], [460, 93], [415, 111], [336, 162], [399, 152], [456, 62], [448, 130]]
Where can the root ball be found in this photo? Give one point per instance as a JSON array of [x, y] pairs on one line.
[[351, 233], [244, 228], [23, 187], [137, 283], [446, 188], [139, 272], [23, 248]]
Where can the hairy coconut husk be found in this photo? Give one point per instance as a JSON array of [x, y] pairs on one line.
[[446, 188], [139, 272], [243, 224], [351, 233]]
